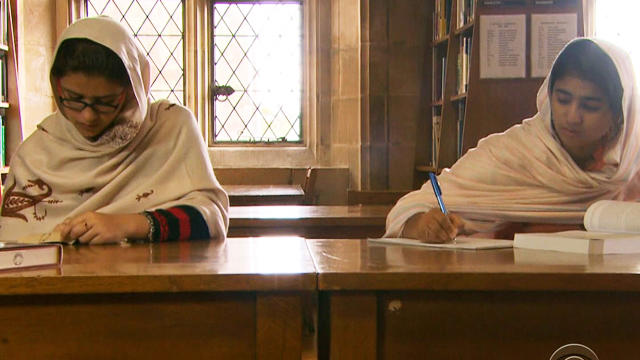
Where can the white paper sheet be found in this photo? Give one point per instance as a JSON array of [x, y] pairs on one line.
[[549, 34], [464, 243], [502, 46]]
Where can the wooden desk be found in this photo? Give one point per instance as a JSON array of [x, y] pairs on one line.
[[392, 302], [197, 300], [314, 221], [242, 195]]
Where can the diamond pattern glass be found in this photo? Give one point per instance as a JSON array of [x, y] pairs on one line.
[[158, 26], [257, 50]]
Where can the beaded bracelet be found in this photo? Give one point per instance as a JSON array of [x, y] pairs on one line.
[[152, 228]]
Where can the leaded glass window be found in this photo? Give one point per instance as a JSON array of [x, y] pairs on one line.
[[158, 25], [257, 52]]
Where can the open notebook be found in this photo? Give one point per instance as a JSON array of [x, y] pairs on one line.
[[464, 243]]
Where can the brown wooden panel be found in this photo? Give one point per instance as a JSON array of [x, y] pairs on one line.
[[360, 265], [171, 267], [279, 326], [242, 195], [317, 221], [310, 232], [142, 326], [371, 197], [353, 331], [499, 325]]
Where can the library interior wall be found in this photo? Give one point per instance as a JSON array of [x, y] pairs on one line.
[[371, 111], [35, 41], [396, 127]]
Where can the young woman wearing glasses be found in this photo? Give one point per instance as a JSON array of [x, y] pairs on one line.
[[110, 164]]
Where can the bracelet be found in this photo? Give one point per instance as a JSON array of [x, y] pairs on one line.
[[152, 228]]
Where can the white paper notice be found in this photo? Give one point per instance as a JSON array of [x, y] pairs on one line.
[[549, 34], [502, 46]]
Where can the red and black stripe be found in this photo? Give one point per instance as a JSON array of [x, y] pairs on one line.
[[179, 223]]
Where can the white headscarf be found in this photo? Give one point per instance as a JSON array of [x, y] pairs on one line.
[[152, 157], [524, 174]]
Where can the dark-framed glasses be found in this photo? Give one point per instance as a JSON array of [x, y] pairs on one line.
[[97, 106]]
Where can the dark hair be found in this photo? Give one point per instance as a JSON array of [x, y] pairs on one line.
[[586, 60], [88, 57]]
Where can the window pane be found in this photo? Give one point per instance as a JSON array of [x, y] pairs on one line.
[[257, 50], [615, 20], [158, 27]]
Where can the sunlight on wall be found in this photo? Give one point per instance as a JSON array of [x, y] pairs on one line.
[[616, 21]]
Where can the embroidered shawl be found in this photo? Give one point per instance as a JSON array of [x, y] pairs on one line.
[[152, 157], [525, 175]]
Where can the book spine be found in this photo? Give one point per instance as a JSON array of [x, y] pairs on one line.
[[503, 2], [3, 78], [435, 143], [460, 125], [4, 38], [3, 143], [443, 76]]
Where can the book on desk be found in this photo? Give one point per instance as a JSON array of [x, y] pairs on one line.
[[17, 256], [612, 227]]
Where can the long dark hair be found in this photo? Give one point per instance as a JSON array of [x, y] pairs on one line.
[[88, 57]]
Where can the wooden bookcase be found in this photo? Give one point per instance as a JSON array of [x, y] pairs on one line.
[[4, 98], [465, 114]]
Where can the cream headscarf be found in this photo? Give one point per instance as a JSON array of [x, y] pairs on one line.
[[153, 157], [525, 175]]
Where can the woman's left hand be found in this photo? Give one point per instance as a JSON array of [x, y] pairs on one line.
[[97, 228]]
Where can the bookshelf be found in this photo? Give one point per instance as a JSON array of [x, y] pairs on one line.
[[465, 107], [4, 98]]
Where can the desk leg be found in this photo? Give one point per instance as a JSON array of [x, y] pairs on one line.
[[352, 327], [278, 326]]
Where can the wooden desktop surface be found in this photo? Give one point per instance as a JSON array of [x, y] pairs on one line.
[[191, 300], [412, 303], [242, 195], [310, 221]]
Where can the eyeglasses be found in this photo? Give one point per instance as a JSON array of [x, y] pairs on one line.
[[97, 106]]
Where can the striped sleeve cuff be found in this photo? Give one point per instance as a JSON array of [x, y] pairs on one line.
[[179, 223]]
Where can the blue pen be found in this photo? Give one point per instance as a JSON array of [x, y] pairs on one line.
[[437, 191]]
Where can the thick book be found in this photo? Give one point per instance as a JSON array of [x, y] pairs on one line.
[[461, 243], [612, 227], [15, 256]]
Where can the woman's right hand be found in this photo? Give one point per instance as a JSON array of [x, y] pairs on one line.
[[433, 227]]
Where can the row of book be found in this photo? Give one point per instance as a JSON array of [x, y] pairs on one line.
[[466, 11], [441, 18], [4, 27], [4, 99], [3, 144], [439, 80], [436, 130], [464, 64], [525, 2], [461, 107]]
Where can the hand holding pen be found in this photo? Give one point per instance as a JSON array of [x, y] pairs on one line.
[[435, 226], [436, 190]]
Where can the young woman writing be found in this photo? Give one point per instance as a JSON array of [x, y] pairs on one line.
[[583, 145]]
